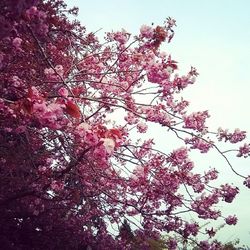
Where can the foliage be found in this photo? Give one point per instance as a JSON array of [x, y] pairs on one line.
[[70, 167]]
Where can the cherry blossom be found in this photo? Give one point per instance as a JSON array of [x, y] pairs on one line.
[[146, 31], [196, 121], [244, 150], [17, 43], [79, 162], [231, 220], [247, 181]]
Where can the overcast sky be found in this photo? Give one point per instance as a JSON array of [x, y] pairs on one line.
[[213, 36]]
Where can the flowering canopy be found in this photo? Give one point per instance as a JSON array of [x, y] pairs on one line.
[[72, 171]]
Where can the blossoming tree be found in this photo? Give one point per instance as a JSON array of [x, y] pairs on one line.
[[74, 170]]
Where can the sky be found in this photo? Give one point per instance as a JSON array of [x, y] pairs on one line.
[[214, 37]]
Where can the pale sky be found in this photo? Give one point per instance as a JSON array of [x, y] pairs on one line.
[[213, 36]]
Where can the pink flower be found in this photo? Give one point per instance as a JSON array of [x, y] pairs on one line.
[[171, 22], [131, 118], [17, 43], [39, 108], [231, 220], [48, 118], [8, 129], [203, 206], [43, 28], [156, 73], [198, 143], [228, 192], [63, 92], [35, 92], [169, 69], [147, 31], [109, 145], [234, 137], [212, 174], [17, 82], [196, 121], [179, 156], [247, 181], [59, 70], [142, 127], [237, 136], [244, 150], [172, 244], [31, 12], [139, 171], [49, 71], [192, 79], [211, 232], [82, 128], [100, 152], [121, 37], [190, 229], [56, 109], [91, 138], [42, 169], [57, 186], [204, 245]]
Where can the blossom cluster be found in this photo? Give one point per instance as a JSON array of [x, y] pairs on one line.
[[77, 154]]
